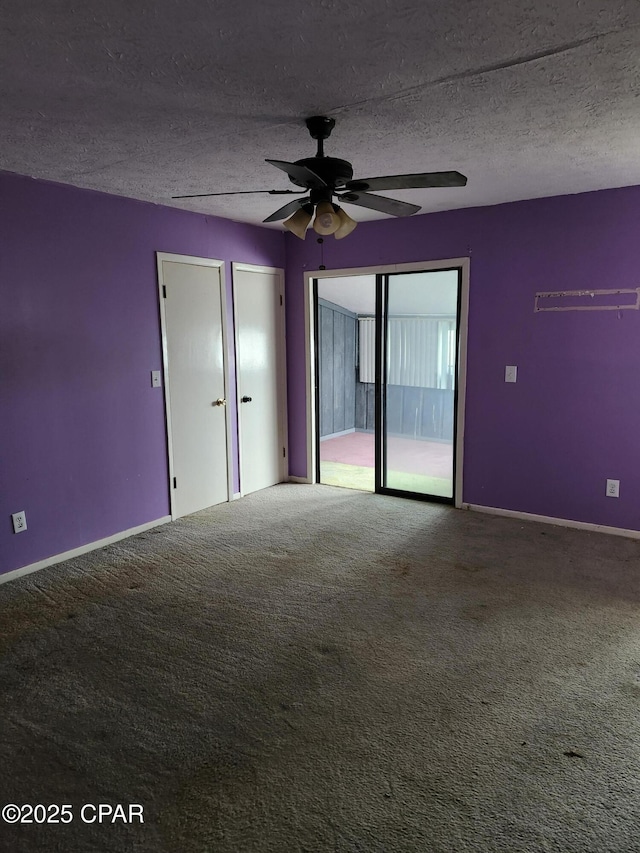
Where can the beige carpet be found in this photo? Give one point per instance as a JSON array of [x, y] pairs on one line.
[[316, 669]]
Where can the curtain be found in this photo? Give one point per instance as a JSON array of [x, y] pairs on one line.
[[421, 351]]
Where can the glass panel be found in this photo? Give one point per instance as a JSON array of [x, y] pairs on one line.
[[346, 381], [420, 382]]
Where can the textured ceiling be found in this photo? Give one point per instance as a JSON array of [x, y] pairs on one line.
[[149, 100]]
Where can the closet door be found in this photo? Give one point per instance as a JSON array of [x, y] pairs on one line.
[[191, 297], [261, 375]]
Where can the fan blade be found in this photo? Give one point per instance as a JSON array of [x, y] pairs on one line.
[[288, 209], [241, 192], [381, 203], [299, 173], [409, 182]]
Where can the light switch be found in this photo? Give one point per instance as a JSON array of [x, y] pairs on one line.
[[156, 379], [510, 373]]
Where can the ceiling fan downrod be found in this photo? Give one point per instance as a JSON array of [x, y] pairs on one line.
[[320, 128]]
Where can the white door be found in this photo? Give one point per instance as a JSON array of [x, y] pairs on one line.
[[259, 317], [192, 301]]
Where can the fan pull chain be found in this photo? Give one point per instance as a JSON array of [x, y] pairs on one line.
[[321, 242]]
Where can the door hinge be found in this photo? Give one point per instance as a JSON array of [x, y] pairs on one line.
[[175, 483], [164, 291], [280, 299], [284, 453]]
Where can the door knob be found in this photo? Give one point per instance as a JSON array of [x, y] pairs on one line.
[[220, 402], [245, 400]]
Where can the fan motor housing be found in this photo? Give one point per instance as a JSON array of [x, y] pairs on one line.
[[332, 170]]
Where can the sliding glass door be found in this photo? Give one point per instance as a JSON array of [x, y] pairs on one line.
[[418, 320], [386, 374]]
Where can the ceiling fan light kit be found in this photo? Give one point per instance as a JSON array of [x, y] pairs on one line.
[[299, 222], [347, 225], [325, 178], [327, 220], [333, 220]]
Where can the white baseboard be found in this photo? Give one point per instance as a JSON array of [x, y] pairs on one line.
[[236, 496], [303, 480], [83, 549], [559, 522]]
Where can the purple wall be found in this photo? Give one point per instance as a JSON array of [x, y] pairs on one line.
[[547, 444], [82, 433]]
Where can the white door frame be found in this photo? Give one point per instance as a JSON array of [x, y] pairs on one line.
[[282, 368], [202, 262], [463, 322]]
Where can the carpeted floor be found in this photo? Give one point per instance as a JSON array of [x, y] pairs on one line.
[[317, 669]]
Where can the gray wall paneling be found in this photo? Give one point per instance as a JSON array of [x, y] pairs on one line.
[[326, 370], [339, 367], [414, 412], [350, 371], [337, 356]]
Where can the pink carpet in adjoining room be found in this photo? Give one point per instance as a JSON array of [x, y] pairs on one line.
[[409, 455]]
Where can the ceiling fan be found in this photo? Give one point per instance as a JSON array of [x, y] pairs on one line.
[[325, 178]]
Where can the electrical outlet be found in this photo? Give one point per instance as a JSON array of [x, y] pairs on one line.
[[156, 381], [19, 520], [613, 488], [511, 373]]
